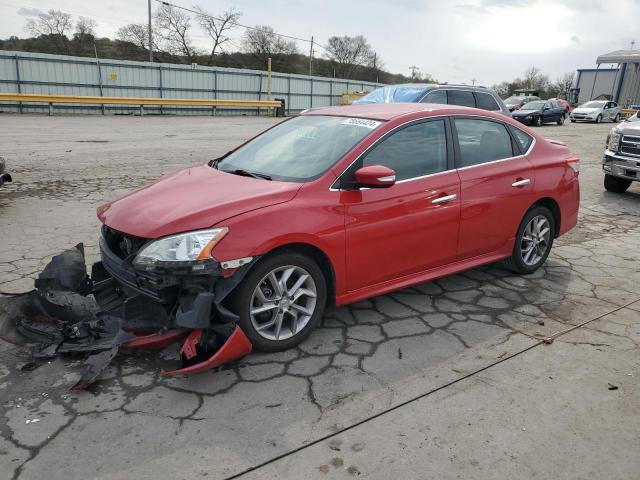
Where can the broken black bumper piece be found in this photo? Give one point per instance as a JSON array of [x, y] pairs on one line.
[[119, 306]]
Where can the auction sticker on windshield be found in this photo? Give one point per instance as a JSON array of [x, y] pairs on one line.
[[362, 122]]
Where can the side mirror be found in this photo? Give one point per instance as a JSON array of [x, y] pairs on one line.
[[375, 176]]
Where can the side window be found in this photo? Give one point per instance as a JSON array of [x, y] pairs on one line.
[[613, 105], [486, 102], [547, 105], [436, 96], [524, 139], [482, 141], [463, 98], [414, 151]]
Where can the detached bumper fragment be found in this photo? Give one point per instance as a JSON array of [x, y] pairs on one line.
[[71, 312]]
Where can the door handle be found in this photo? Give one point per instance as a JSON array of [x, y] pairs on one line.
[[521, 183], [445, 199]]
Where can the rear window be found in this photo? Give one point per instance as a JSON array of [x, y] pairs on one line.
[[486, 102], [523, 139], [482, 141], [463, 98]]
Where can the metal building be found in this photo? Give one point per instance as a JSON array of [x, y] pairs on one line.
[[621, 83]]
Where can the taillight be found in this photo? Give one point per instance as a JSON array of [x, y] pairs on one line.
[[574, 164]]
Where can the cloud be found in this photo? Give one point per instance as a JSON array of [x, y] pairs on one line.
[[30, 12]]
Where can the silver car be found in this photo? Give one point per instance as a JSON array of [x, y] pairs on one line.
[[596, 111], [621, 161]]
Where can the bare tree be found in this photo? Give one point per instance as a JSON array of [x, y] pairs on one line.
[[136, 33], [563, 83], [349, 53], [85, 27], [216, 26], [534, 79], [54, 22], [265, 42], [172, 25]]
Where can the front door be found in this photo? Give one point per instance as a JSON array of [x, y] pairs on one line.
[[496, 186], [413, 225]]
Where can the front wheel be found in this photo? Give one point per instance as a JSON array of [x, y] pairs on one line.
[[533, 241], [616, 184], [598, 118], [280, 301]]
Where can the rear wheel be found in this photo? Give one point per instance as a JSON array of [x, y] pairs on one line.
[[539, 121], [533, 241], [616, 184], [573, 121], [280, 301], [616, 119], [561, 120]]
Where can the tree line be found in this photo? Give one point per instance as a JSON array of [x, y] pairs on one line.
[[534, 79], [349, 57]]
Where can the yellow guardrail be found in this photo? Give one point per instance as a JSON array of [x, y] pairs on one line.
[[629, 111], [141, 101]]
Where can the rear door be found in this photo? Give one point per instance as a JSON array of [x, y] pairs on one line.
[[496, 185], [413, 225]]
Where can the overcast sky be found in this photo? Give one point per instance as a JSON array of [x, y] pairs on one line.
[[454, 41]]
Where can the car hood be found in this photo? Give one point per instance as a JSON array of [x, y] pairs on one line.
[[521, 112], [628, 128], [585, 110], [191, 199]]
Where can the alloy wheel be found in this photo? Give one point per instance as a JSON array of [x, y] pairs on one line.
[[535, 240], [283, 302]]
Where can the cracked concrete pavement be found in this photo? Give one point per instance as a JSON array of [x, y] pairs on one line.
[[447, 379]]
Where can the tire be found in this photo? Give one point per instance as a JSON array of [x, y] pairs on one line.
[[573, 121], [616, 119], [538, 121], [526, 263], [561, 120], [599, 119], [294, 325], [616, 184]]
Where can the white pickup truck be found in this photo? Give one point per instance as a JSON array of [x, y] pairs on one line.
[[621, 161]]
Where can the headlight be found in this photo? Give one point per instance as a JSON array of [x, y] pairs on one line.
[[613, 141], [184, 248]]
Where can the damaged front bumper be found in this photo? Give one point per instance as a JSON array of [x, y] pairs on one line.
[[121, 306]]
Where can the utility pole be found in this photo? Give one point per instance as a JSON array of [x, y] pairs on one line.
[[150, 34], [414, 71], [311, 57], [473, 81], [633, 42]]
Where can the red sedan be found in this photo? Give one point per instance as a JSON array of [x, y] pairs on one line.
[[337, 205]]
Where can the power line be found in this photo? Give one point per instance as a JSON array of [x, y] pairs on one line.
[[195, 12]]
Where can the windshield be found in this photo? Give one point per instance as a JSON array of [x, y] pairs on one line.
[[300, 149], [592, 105], [633, 118], [513, 100], [394, 94], [532, 106]]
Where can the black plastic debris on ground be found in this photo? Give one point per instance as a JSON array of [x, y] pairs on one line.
[[70, 312]]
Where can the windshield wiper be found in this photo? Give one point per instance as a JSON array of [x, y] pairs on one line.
[[246, 173]]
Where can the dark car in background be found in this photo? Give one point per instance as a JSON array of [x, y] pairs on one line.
[[462, 95], [515, 102], [539, 112]]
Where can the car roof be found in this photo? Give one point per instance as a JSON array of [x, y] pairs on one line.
[[388, 111]]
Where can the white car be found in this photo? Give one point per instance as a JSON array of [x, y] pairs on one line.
[[596, 111]]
